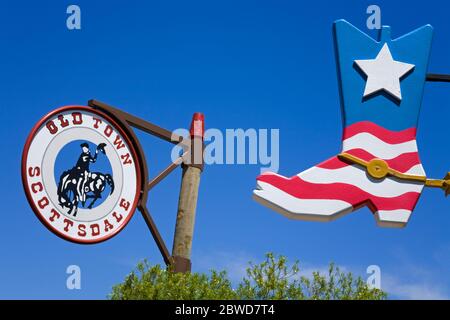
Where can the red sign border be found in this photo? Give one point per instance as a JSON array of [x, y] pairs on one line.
[[123, 133]]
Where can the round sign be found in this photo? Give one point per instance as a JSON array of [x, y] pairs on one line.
[[81, 174]]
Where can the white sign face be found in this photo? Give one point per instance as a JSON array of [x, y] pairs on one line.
[[81, 174]]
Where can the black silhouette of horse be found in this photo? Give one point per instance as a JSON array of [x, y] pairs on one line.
[[79, 184], [94, 184]]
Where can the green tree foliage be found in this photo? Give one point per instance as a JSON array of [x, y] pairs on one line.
[[271, 279]]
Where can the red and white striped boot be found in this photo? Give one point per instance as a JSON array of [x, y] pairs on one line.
[[336, 187], [381, 87]]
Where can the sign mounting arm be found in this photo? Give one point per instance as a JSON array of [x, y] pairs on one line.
[[434, 77]]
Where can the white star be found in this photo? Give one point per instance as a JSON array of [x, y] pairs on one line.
[[384, 73]]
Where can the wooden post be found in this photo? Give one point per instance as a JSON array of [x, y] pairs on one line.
[[187, 203]]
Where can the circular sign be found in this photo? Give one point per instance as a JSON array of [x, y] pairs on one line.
[[81, 174]]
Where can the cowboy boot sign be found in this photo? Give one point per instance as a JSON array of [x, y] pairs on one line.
[[381, 87]]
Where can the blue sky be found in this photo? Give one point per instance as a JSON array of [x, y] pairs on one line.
[[245, 64]]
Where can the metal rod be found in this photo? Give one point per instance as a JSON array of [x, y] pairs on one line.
[[433, 77], [156, 235], [141, 124], [124, 119], [435, 183], [164, 173]]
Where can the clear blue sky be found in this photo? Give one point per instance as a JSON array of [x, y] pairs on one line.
[[245, 64]]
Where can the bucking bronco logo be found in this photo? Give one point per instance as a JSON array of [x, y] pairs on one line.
[[79, 184], [81, 174]]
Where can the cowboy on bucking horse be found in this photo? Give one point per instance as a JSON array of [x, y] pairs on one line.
[[79, 184]]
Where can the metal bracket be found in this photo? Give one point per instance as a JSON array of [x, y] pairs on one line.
[[433, 77], [127, 121]]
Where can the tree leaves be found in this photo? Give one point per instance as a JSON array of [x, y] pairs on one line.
[[272, 279]]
